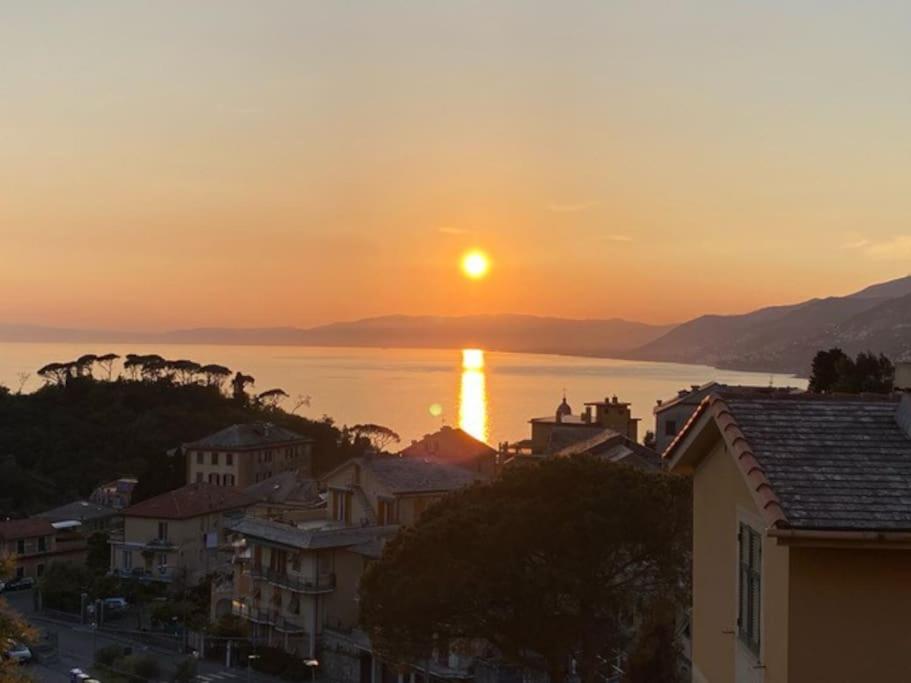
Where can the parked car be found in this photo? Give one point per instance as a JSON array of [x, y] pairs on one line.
[[115, 604], [20, 584], [2, 586], [17, 652]]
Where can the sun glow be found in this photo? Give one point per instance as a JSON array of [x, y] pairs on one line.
[[475, 264]]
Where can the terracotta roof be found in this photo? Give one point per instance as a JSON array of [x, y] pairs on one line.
[[449, 444], [815, 463], [189, 501], [30, 527], [243, 436]]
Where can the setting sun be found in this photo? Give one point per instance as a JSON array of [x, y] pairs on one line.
[[475, 264]]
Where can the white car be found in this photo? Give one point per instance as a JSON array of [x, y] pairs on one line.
[[17, 652]]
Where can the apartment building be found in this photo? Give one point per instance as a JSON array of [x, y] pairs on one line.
[[34, 543], [245, 454]]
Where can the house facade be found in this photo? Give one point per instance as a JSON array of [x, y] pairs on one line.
[[246, 454], [292, 581], [178, 534], [801, 537], [34, 543], [379, 490]]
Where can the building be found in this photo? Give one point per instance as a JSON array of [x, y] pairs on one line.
[[116, 494], [672, 415], [288, 496], [177, 534], [34, 543], [291, 581], [245, 454], [453, 446], [377, 490], [801, 537], [91, 516], [613, 447]]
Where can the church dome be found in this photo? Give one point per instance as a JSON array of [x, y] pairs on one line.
[[564, 408]]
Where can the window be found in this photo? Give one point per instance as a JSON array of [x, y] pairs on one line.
[[341, 506], [20, 546], [294, 605], [42, 544], [199, 458], [215, 458], [228, 480], [20, 572], [213, 478], [162, 559], [387, 512], [127, 559], [163, 531], [199, 477], [670, 428], [750, 598], [229, 459], [39, 570]]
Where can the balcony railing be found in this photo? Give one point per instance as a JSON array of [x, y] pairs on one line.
[[271, 618], [166, 574], [325, 583]]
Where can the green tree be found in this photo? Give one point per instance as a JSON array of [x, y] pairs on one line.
[[12, 627], [98, 557], [62, 584], [833, 371], [546, 564]]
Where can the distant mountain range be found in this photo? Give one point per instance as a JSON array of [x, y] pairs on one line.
[[785, 338], [774, 339]]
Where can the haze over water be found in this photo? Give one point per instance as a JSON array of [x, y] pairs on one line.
[[491, 395]]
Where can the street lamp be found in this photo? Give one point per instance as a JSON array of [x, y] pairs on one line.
[[250, 659], [312, 664]]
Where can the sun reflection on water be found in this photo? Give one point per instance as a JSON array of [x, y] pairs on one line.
[[473, 395]]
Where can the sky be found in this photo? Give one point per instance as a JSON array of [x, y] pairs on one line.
[[173, 164]]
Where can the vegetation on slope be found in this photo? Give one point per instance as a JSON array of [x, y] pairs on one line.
[[77, 431]]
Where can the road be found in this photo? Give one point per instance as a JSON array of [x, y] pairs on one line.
[[77, 644]]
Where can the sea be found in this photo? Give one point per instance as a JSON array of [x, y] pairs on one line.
[[492, 395]]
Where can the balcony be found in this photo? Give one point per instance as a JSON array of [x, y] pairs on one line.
[[164, 574], [324, 584], [271, 618]]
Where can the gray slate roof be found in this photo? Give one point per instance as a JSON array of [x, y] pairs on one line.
[[78, 510], [309, 537], [252, 435], [612, 446], [841, 463], [414, 475], [286, 487]]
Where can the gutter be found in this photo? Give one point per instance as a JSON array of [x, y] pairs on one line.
[[829, 535]]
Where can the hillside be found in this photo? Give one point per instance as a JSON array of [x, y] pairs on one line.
[[59, 442], [518, 333], [784, 338]]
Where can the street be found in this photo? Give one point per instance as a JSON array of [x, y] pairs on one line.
[[77, 644]]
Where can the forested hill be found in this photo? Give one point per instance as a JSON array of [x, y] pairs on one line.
[[58, 443]]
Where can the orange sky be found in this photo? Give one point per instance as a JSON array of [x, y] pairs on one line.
[[177, 164]]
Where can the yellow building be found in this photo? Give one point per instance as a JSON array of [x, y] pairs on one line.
[[801, 538], [245, 454], [177, 534], [34, 543]]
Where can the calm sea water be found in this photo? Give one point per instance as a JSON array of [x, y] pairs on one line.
[[491, 395]]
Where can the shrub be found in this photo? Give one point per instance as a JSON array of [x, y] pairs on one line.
[[107, 655], [142, 667], [186, 671]]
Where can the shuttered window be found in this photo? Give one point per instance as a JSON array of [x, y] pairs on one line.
[[750, 586]]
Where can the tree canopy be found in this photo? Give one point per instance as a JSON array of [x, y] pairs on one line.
[[545, 565], [378, 436], [834, 371]]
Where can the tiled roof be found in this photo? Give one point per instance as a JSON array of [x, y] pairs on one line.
[[448, 445], [611, 446], [189, 501], [252, 435], [818, 463], [30, 527], [309, 537], [412, 475], [79, 510], [285, 487]]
